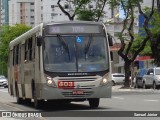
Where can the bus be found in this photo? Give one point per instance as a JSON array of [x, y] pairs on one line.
[[61, 61]]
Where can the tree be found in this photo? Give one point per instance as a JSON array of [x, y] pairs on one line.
[[82, 11], [8, 33], [125, 51], [155, 41], [76, 6], [136, 46]]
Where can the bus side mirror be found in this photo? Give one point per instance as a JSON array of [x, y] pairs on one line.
[[39, 40], [110, 39]]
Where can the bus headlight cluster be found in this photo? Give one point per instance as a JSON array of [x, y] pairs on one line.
[[158, 78], [104, 80], [50, 81]]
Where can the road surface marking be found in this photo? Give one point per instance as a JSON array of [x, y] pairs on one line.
[[120, 98], [151, 100], [3, 90]]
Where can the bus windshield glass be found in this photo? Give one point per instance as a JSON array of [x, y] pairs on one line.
[[82, 53]]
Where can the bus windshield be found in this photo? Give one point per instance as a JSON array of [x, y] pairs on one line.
[[75, 53]]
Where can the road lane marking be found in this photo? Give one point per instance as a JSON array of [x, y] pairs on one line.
[[3, 90], [120, 98], [151, 100], [3, 110]]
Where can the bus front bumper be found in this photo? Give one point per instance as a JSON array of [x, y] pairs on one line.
[[50, 93]]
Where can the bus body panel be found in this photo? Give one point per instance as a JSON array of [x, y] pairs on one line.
[[32, 73], [50, 93]]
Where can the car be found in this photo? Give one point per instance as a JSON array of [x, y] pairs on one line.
[[3, 81], [152, 78], [118, 78], [139, 77]]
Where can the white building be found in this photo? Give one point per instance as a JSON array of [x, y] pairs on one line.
[[51, 11], [34, 12], [22, 11], [38, 11]]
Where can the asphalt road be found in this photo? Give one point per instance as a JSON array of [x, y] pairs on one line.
[[125, 104]]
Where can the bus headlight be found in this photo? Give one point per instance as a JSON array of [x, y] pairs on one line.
[[104, 80], [50, 81]]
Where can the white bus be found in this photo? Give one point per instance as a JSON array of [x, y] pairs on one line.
[[61, 61]]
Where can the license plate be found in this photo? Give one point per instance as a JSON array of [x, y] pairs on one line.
[[66, 84], [77, 92]]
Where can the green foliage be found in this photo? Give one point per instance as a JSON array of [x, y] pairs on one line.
[[86, 15], [156, 24], [82, 2], [92, 13], [137, 43], [7, 34]]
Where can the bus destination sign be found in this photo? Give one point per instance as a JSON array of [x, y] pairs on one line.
[[67, 29]]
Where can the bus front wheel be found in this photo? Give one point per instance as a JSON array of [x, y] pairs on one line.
[[37, 103], [94, 102]]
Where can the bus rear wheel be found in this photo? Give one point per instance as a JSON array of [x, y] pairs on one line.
[[94, 102], [18, 99]]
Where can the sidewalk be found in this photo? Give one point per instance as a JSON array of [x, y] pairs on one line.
[[119, 88]]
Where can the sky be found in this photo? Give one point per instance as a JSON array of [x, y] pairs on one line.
[[121, 13]]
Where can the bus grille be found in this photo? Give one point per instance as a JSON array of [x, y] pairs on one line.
[[88, 82], [78, 79], [69, 94]]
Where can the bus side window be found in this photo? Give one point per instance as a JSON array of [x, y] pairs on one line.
[[33, 47], [26, 51], [13, 55], [110, 39], [16, 55], [30, 48]]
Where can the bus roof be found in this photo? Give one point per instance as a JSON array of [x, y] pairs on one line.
[[21, 39], [73, 22]]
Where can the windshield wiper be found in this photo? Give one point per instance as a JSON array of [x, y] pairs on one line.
[[88, 46], [64, 45]]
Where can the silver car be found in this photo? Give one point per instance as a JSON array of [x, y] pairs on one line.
[[152, 78], [117, 78], [3, 81]]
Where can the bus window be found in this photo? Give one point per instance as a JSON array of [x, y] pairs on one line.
[[30, 48], [60, 55], [16, 55], [26, 51]]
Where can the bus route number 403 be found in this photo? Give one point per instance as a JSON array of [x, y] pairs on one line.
[[65, 84]]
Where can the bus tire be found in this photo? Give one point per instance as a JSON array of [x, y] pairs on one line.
[[38, 104], [94, 102], [18, 99]]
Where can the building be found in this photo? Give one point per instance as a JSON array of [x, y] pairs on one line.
[[0, 13], [34, 12], [22, 12], [4, 17], [38, 14], [51, 12]]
